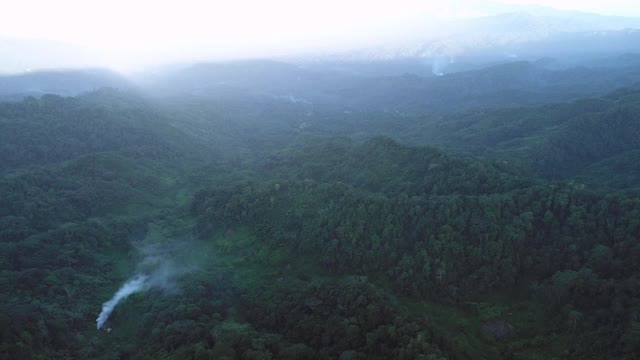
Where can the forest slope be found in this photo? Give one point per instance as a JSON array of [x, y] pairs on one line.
[[319, 248]]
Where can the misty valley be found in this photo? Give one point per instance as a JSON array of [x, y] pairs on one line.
[[464, 203]]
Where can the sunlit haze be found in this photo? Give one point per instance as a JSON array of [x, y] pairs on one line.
[[319, 179], [127, 34]]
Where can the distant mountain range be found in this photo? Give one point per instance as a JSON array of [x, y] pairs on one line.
[[505, 84], [517, 82], [59, 82], [458, 45], [430, 46]]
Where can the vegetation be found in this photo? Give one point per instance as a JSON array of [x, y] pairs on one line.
[[554, 141], [572, 250], [277, 241]]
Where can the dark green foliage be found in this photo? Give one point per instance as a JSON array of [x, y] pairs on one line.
[[348, 319], [585, 140], [54, 129], [574, 244], [50, 283], [560, 141], [80, 189], [620, 172], [318, 248], [383, 165]]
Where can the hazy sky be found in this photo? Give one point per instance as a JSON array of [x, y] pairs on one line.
[[130, 32]]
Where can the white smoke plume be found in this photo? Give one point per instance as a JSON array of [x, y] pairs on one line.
[[136, 284], [162, 266], [440, 64]]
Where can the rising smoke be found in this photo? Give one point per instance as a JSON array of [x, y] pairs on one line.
[[156, 270], [440, 64], [136, 284]]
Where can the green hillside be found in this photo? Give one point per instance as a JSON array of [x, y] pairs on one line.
[[261, 242]]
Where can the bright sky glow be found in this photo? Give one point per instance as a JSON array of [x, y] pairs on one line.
[[130, 32], [603, 7]]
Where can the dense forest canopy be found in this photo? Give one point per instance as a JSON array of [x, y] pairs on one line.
[[260, 210]]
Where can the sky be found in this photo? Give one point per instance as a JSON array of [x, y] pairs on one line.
[[125, 33]]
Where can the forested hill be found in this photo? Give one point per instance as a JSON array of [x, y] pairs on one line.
[[277, 242], [576, 140], [87, 180], [53, 129], [574, 252], [59, 82], [507, 84], [384, 165]]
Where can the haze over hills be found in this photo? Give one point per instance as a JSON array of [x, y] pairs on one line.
[[60, 82], [468, 190], [503, 32], [571, 37], [506, 33], [505, 84], [566, 39]]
